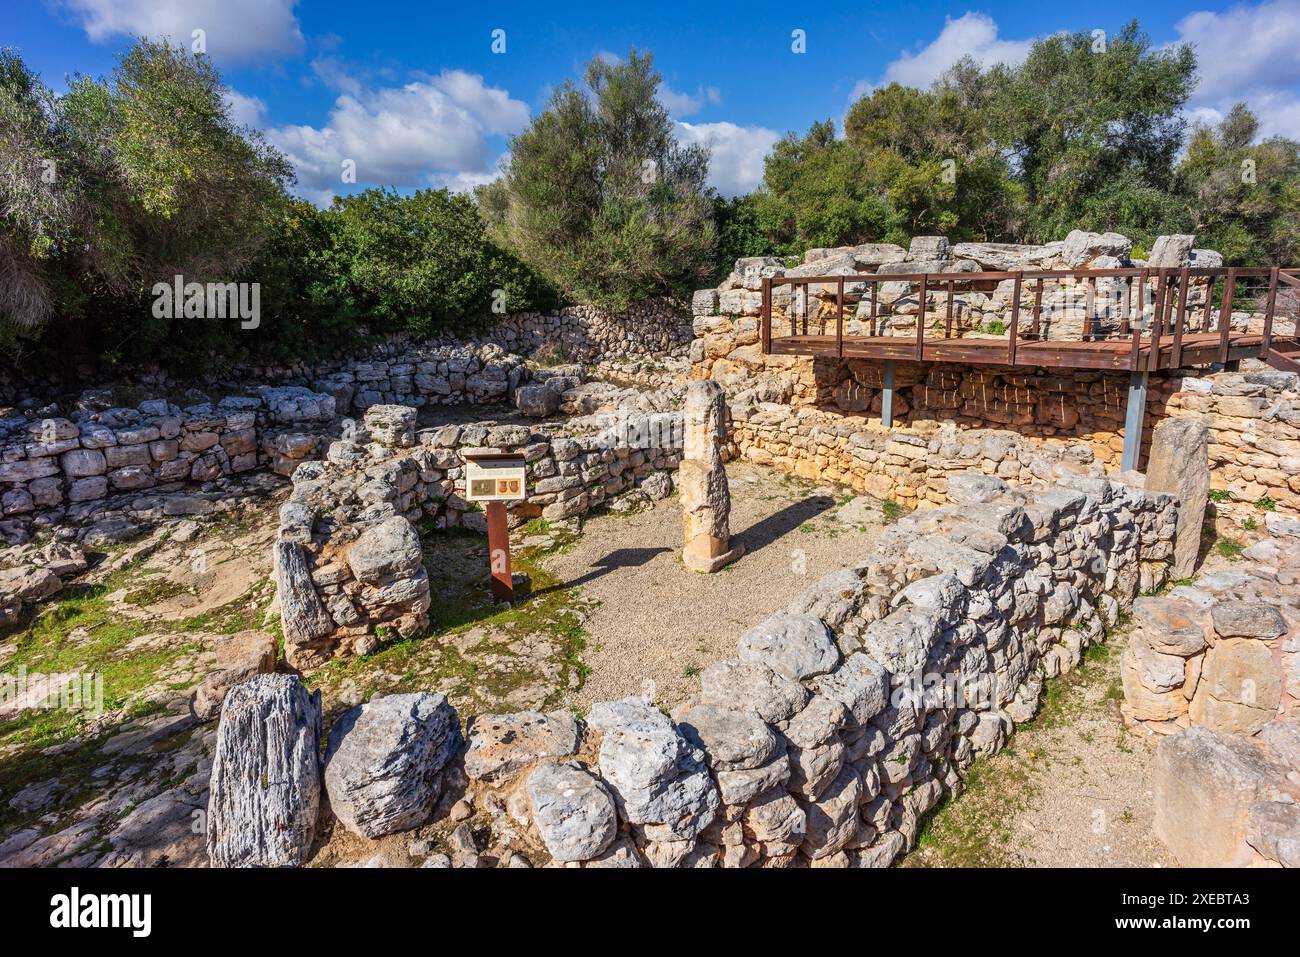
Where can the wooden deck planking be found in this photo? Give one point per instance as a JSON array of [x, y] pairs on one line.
[[1114, 354]]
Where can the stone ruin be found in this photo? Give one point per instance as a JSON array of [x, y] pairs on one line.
[[980, 308], [348, 558], [1213, 668], [702, 480], [822, 743]]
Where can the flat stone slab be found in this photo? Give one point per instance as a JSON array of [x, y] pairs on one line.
[[501, 744], [1247, 619], [796, 646]]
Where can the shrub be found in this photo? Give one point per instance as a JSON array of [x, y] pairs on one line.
[[424, 263]]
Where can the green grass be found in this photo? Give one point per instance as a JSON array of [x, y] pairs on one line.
[[155, 590], [1228, 548], [977, 827], [892, 511], [1220, 495], [471, 647], [1266, 504], [48, 646]]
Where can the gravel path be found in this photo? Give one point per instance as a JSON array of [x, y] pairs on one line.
[[1071, 789], [658, 622]]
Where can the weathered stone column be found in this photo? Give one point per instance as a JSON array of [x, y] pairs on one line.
[[1179, 463], [702, 480]]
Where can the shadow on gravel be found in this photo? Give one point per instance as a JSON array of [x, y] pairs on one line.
[[619, 558], [779, 524]]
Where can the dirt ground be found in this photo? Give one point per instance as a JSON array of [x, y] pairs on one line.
[[654, 624], [1072, 788]]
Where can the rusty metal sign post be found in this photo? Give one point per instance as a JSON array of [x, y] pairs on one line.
[[495, 478]]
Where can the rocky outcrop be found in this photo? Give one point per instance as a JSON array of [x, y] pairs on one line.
[[384, 758], [265, 787]]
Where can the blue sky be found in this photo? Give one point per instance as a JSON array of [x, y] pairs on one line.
[[414, 94]]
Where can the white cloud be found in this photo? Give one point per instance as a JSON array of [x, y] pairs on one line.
[[972, 34], [1249, 53], [686, 104], [234, 29], [330, 71], [244, 110], [738, 153], [430, 132]]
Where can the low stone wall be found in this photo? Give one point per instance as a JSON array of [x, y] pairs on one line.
[[850, 714], [578, 333], [348, 556], [643, 345], [910, 466], [1213, 668], [588, 333], [1254, 422], [1224, 651], [426, 374], [57, 468]]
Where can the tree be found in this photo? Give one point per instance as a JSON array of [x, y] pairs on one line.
[[124, 182], [40, 211], [1092, 131], [1245, 198], [599, 196], [739, 233], [911, 162]]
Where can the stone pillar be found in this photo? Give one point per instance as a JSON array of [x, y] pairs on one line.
[[702, 480], [1179, 463]]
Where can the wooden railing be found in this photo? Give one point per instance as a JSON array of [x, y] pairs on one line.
[[1153, 326]]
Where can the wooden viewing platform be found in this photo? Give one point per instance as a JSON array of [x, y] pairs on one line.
[[1107, 354], [1156, 328], [1141, 321]]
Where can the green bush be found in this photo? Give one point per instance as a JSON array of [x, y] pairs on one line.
[[601, 198], [424, 264]]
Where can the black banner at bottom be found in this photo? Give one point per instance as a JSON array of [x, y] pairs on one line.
[[152, 907]]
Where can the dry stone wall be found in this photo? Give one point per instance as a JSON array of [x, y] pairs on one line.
[[55, 469], [848, 715], [589, 334], [1254, 422], [652, 330], [1213, 669], [1223, 651], [910, 466], [841, 721], [348, 557]]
